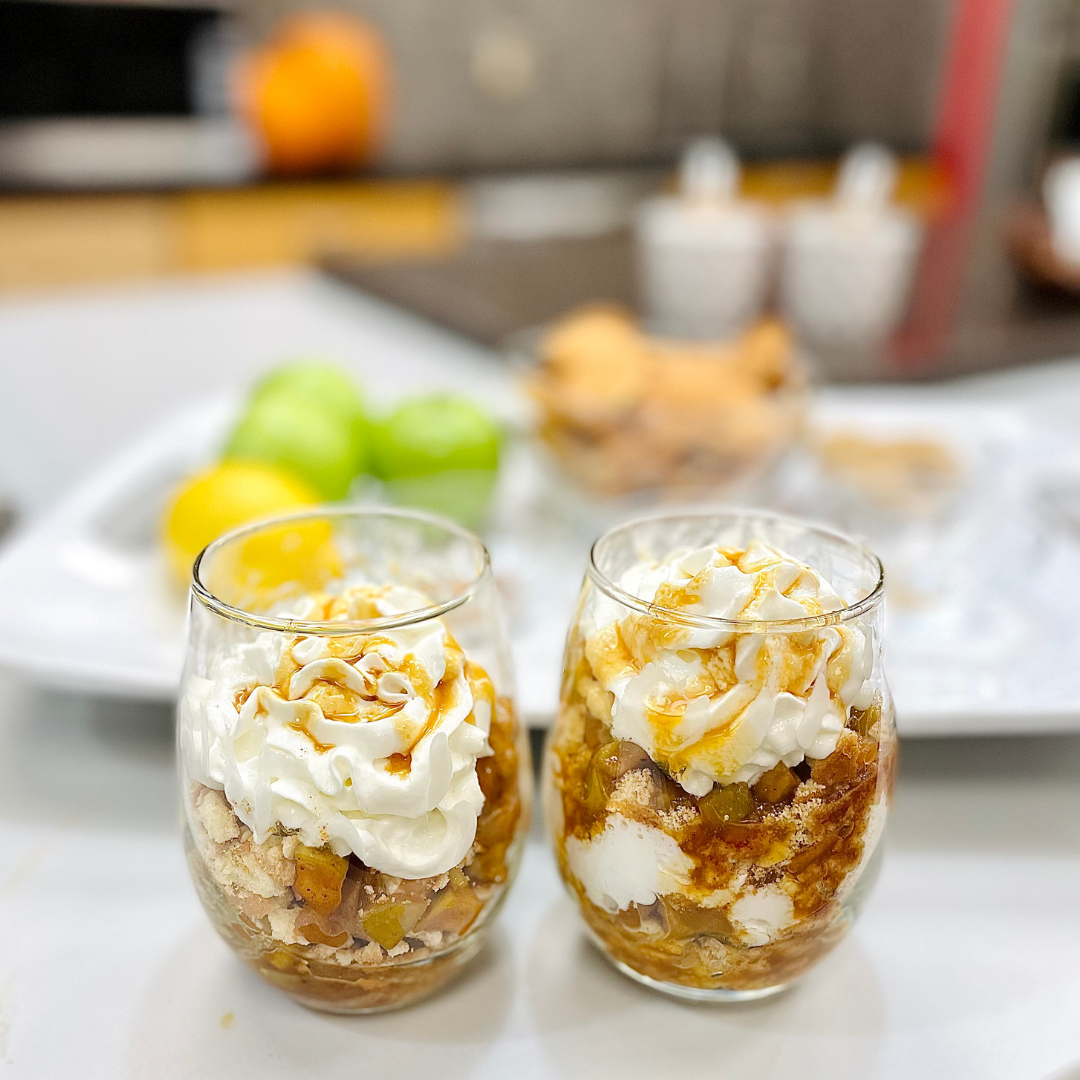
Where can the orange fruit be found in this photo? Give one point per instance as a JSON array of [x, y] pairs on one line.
[[317, 92]]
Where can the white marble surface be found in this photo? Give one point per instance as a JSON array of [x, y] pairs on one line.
[[965, 964]]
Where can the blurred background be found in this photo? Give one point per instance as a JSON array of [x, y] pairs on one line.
[[215, 112], [542, 265], [539, 266]]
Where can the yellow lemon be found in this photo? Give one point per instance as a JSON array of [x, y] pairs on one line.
[[280, 562], [223, 498]]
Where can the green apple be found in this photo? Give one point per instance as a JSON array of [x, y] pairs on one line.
[[317, 381], [440, 453], [433, 434], [322, 384], [295, 433], [461, 494]]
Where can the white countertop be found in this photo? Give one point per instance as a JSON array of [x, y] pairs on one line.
[[965, 964]]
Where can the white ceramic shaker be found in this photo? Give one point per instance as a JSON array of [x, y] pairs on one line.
[[704, 255], [1061, 196], [848, 261]]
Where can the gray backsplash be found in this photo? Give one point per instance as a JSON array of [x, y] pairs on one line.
[[486, 84]]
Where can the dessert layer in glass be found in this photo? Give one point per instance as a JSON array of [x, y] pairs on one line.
[[716, 787], [354, 802]]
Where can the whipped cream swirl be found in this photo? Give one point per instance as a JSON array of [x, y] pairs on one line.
[[717, 707], [367, 743]]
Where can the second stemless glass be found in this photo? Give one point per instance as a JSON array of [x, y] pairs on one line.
[[354, 781], [705, 886]]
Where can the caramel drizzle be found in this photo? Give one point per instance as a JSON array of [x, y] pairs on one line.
[[351, 648], [437, 698], [399, 764], [302, 728], [641, 638]]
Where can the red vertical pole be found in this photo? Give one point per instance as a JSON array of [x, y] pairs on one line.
[[962, 144]]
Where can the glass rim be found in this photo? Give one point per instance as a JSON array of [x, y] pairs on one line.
[[339, 627], [740, 626]]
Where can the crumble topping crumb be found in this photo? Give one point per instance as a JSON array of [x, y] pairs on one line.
[[636, 788], [283, 926], [679, 817], [371, 953], [237, 862], [432, 939], [216, 817]]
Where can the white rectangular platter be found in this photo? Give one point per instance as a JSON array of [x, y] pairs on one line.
[[993, 645]]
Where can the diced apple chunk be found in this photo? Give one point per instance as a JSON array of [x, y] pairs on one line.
[[863, 720], [383, 925], [387, 924], [454, 909], [312, 933], [283, 960], [732, 802], [319, 874], [686, 920], [777, 785]]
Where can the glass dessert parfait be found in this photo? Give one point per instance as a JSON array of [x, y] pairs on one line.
[[716, 781], [354, 780]]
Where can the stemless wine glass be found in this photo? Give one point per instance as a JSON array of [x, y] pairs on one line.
[[355, 783], [717, 778]]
